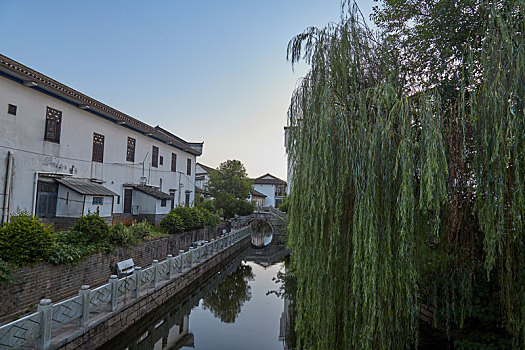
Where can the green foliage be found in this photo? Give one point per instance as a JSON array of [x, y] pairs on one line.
[[208, 219], [284, 205], [73, 246], [24, 239], [94, 227], [172, 223], [245, 207], [230, 186], [6, 273], [120, 235], [191, 218], [139, 230], [410, 141]]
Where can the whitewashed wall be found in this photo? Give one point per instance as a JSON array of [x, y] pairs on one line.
[[23, 134]]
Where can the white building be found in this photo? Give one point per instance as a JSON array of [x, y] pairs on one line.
[[202, 177], [65, 154], [272, 187]]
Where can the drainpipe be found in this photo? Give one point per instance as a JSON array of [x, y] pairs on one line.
[[35, 184], [7, 189]]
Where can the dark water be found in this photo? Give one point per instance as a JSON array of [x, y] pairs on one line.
[[236, 308]]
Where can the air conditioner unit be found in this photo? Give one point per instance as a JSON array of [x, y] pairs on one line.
[[135, 210]]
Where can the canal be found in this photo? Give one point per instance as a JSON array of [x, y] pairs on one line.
[[239, 307]]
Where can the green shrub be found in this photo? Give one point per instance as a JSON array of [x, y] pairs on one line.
[[73, 246], [139, 230], [64, 253], [24, 239], [190, 217], [94, 227], [172, 223], [245, 207], [120, 235], [209, 219]]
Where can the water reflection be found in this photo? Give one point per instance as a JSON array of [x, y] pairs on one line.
[[226, 300], [233, 309], [262, 233]]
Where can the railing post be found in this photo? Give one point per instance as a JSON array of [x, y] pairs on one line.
[[155, 273], [46, 309], [170, 266], [181, 252], [113, 279], [137, 272], [85, 294], [190, 253]]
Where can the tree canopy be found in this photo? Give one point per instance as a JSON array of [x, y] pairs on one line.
[[230, 186], [408, 150]]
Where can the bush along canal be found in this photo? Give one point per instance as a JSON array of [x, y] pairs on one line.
[[238, 305]]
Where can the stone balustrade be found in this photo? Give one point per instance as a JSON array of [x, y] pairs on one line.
[[37, 328]]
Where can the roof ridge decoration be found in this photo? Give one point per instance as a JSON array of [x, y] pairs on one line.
[[31, 77]]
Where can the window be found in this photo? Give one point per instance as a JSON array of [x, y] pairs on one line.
[[161, 160], [98, 200], [118, 199], [173, 162], [11, 109], [187, 202], [172, 194], [53, 122], [130, 153], [155, 157], [98, 148], [162, 202], [188, 167]]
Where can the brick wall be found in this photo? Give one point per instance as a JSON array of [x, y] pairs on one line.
[[58, 282]]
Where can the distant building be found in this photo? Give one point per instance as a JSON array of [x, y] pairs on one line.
[[202, 178], [272, 187], [64, 154], [257, 197]]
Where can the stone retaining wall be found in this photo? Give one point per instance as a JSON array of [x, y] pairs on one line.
[[58, 282]]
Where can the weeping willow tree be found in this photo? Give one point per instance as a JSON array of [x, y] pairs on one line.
[[392, 185]]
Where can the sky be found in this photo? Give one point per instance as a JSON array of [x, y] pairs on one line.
[[208, 71]]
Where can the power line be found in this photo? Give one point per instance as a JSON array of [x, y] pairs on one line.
[[133, 165]]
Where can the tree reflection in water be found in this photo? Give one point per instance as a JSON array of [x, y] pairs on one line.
[[226, 300]]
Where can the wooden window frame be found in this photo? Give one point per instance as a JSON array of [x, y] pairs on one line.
[[98, 199], [174, 162], [188, 166], [53, 125], [98, 148], [11, 109], [155, 157], [130, 150]]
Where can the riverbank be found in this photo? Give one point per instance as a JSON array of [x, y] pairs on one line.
[[58, 282]]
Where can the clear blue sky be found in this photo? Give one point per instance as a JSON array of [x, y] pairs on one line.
[[212, 71]]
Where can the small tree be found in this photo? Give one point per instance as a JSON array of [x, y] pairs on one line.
[[230, 186]]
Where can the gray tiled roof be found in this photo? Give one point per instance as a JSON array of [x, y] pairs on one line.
[[86, 186], [273, 181], [152, 191], [257, 193], [30, 76]]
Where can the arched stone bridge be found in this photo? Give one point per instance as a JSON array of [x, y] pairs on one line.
[[274, 217]]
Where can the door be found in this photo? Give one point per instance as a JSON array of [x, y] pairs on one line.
[[127, 200], [46, 199]]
